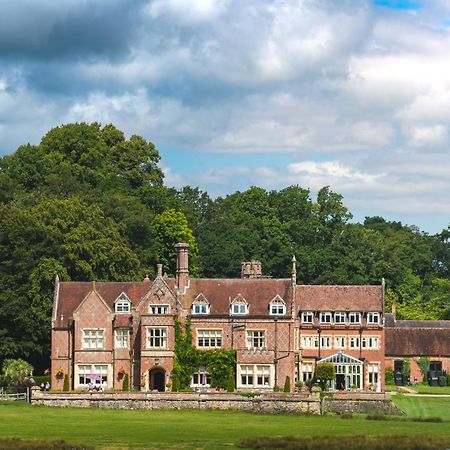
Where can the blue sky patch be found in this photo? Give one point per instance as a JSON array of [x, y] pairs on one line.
[[399, 4]]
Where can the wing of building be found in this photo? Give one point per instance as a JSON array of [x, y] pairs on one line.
[[104, 330]]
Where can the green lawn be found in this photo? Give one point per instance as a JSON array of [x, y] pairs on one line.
[[423, 406], [185, 429], [421, 389], [425, 389]]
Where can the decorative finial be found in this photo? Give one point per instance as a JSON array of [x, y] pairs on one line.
[[146, 277], [159, 268]]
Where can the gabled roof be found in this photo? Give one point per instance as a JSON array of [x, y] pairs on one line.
[[339, 298], [258, 292], [340, 358], [72, 293]]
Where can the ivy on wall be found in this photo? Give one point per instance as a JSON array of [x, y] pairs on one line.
[[220, 364]]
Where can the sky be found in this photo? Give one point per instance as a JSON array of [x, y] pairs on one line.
[[352, 94]]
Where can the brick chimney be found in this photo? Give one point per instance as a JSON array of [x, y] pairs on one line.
[[251, 269], [182, 273]]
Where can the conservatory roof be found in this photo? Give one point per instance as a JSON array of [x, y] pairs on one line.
[[340, 358]]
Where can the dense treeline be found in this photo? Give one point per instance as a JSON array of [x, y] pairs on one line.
[[87, 203]]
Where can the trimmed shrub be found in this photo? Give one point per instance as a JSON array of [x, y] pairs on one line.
[[353, 442], [66, 383], [175, 384], [347, 415], [39, 379], [442, 381], [325, 372], [230, 383], [126, 383], [448, 379], [277, 389], [287, 385], [389, 375]]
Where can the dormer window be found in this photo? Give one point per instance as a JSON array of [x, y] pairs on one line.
[[307, 317], [200, 305], [239, 306], [326, 317], [354, 318], [373, 318], [122, 304], [339, 317], [277, 306]]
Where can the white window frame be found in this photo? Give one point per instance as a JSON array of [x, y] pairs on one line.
[[340, 318], [122, 338], [122, 304], [307, 370], [307, 315], [373, 373], [354, 318], [324, 315], [239, 309], [309, 341], [200, 308], [82, 370], [354, 342], [209, 338], [159, 310], [255, 339], [196, 380], [340, 342], [259, 376], [371, 316], [157, 335], [326, 341], [277, 307], [93, 339], [370, 342]]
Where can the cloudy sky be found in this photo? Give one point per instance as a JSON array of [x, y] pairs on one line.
[[354, 94]]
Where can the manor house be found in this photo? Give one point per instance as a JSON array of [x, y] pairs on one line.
[[104, 330]]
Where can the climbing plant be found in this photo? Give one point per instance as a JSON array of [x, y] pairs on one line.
[[220, 363]]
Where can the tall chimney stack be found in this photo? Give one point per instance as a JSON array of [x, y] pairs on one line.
[[182, 274]]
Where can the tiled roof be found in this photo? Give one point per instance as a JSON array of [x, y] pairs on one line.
[[257, 291], [72, 293], [413, 341], [339, 298], [417, 323]]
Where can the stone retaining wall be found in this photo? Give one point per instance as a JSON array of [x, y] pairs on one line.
[[265, 403], [297, 404]]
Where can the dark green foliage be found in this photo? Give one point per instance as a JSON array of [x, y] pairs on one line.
[[442, 381], [35, 444], [66, 383], [406, 370], [38, 380], [88, 203], [287, 385], [356, 442], [389, 375], [126, 383], [324, 373], [277, 388], [231, 383], [219, 364], [424, 366], [347, 415], [448, 379]]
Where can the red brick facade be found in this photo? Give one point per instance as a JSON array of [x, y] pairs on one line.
[[102, 331]]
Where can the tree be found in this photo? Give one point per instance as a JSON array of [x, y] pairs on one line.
[[16, 371], [287, 385], [170, 228], [325, 373]]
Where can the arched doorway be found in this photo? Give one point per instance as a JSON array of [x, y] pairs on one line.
[[157, 378]]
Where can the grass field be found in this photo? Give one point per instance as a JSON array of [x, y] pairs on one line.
[[425, 389], [191, 429], [422, 389], [424, 406]]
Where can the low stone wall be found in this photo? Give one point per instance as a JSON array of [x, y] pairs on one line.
[[368, 403], [267, 403], [363, 403]]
